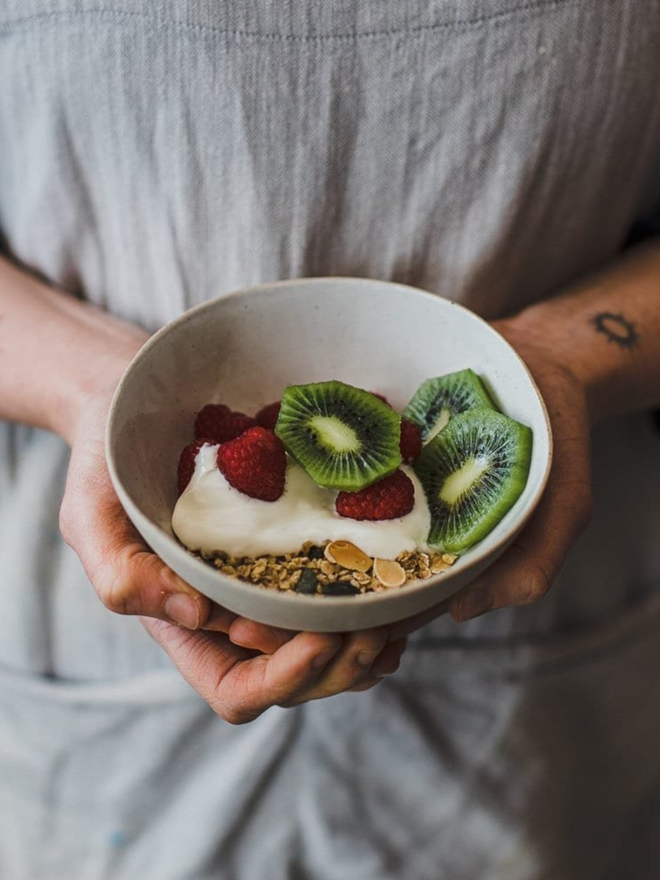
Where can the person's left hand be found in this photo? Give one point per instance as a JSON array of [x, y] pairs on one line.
[[527, 569]]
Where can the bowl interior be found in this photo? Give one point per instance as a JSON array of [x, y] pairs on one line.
[[244, 348]]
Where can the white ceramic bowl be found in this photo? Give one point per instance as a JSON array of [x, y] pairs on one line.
[[242, 349]]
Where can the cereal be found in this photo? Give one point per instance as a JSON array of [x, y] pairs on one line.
[[322, 571]]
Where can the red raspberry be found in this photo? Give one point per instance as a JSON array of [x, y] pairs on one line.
[[187, 458], [217, 421], [267, 415], [390, 498], [254, 463], [411, 441]]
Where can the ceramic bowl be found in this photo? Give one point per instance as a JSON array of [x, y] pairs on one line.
[[242, 349]]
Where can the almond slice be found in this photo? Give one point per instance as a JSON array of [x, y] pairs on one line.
[[438, 564], [347, 555], [449, 558], [389, 572]]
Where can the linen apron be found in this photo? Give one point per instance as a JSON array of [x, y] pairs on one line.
[[154, 154]]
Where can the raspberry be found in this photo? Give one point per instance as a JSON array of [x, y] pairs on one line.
[[389, 498], [411, 438], [187, 458], [267, 415], [217, 421], [254, 463], [411, 441]]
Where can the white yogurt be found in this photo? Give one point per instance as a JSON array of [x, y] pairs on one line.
[[211, 515]]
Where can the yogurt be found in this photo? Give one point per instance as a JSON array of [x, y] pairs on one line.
[[211, 515]]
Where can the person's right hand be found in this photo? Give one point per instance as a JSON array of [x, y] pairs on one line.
[[60, 361], [200, 636]]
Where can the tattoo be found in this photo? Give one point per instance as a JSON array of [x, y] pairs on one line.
[[616, 328]]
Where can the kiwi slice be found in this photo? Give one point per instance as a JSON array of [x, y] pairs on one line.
[[437, 400], [472, 473], [343, 437]]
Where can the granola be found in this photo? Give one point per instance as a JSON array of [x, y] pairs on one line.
[[311, 571]]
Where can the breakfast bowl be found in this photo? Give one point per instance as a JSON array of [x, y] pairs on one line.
[[243, 349]]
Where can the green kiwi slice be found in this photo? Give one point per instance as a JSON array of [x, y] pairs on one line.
[[343, 437], [472, 472], [437, 400]]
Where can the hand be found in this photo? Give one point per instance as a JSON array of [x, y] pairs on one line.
[[525, 572], [281, 669]]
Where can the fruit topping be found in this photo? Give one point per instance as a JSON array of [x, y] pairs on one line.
[[411, 441], [473, 471], [343, 437], [390, 498], [254, 463], [186, 467], [217, 421], [437, 400], [267, 415]]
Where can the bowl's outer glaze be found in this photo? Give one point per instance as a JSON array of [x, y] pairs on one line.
[[242, 349]]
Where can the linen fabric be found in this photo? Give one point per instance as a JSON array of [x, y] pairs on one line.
[[155, 154]]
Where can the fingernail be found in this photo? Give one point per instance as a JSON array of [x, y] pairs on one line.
[[182, 609], [472, 604]]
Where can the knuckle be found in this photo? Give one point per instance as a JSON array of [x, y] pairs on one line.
[[236, 715], [242, 703], [534, 587], [116, 594]]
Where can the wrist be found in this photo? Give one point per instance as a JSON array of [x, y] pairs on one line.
[[56, 352], [101, 347], [543, 330], [576, 332]]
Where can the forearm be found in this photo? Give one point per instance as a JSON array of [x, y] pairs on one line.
[[55, 352], [606, 331]]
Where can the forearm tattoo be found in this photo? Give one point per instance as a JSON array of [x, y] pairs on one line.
[[616, 328]]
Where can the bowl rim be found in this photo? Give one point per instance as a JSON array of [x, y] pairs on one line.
[[181, 553]]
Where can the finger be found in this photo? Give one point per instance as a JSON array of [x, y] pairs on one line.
[[525, 572], [127, 576], [258, 636], [350, 667], [389, 659], [386, 663], [219, 619], [236, 685]]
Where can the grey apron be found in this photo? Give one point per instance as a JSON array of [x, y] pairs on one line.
[[154, 154]]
